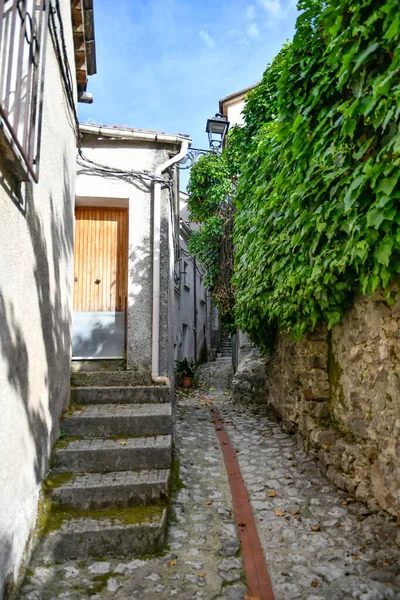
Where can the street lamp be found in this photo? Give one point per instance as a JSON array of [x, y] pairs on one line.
[[217, 128]]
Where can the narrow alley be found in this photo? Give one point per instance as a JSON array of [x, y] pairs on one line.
[[318, 544]]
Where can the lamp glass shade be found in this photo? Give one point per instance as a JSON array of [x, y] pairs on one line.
[[218, 126]]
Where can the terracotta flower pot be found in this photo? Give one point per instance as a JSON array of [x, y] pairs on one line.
[[187, 381]]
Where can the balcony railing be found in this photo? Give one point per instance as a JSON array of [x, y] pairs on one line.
[[23, 35]]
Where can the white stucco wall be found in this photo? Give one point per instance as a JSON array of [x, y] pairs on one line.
[[36, 243], [184, 343], [234, 111], [137, 196]]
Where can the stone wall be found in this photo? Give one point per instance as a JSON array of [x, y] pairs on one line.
[[339, 392], [365, 401], [248, 384]]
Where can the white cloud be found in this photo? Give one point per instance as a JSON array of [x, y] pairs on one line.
[[207, 39], [251, 12], [273, 7], [252, 31]]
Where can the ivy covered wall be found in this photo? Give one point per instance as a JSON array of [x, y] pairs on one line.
[[318, 204]]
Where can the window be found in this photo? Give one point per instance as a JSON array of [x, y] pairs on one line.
[[23, 34], [185, 277]]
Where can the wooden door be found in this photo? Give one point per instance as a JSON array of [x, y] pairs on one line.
[[101, 259]]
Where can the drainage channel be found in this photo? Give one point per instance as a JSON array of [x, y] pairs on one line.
[[257, 575]]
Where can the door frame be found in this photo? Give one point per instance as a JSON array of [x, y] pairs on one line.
[[100, 203]]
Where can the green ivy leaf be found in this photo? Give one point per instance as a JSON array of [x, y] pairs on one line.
[[375, 218], [384, 251], [364, 55]]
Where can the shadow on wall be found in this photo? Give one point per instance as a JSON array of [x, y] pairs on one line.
[[91, 170], [18, 349], [139, 268], [139, 306]]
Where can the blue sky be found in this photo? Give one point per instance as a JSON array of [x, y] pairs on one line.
[[164, 64]]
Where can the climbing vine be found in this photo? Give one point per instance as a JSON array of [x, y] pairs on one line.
[[211, 188], [318, 204], [315, 173]]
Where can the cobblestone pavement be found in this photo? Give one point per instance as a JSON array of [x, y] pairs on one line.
[[202, 561], [318, 544]]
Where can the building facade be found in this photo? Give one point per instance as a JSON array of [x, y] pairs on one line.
[[232, 106], [127, 238], [39, 87]]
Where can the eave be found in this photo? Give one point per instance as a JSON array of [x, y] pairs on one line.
[[84, 41]]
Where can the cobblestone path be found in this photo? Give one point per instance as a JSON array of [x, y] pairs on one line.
[[318, 544]]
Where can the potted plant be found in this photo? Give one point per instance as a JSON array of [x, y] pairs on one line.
[[187, 370]]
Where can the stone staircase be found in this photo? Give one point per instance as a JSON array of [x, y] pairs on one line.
[[107, 489], [226, 345]]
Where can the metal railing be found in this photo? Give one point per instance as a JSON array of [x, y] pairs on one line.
[[23, 35]]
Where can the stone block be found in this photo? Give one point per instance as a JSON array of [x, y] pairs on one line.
[[119, 489], [325, 438], [315, 384], [386, 486], [342, 481], [358, 427], [320, 410], [109, 420], [307, 424], [120, 394], [391, 328], [84, 537], [324, 458], [363, 491], [98, 456]]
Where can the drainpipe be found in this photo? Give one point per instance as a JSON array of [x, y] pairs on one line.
[[195, 309], [156, 263]]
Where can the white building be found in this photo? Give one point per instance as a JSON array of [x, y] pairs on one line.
[[196, 320], [232, 106], [127, 238], [39, 87]]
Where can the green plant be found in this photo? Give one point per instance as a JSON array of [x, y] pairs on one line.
[[211, 188], [318, 204], [186, 368], [312, 177]]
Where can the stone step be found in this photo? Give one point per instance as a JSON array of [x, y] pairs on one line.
[[113, 532], [111, 378], [120, 394], [110, 455], [109, 420], [118, 489]]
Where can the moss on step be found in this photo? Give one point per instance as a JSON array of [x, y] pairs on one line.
[[63, 443], [176, 483], [56, 481], [52, 516], [71, 409], [100, 582]]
